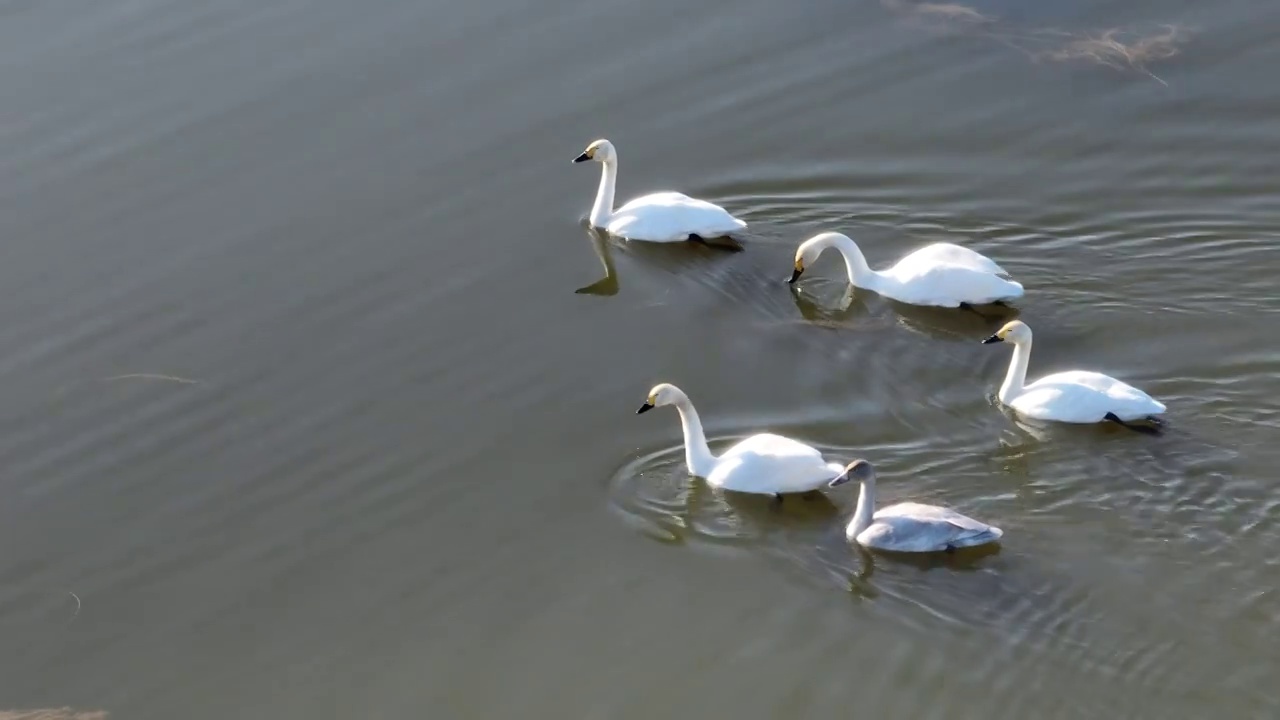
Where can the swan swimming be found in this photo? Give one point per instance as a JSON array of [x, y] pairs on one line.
[[908, 526], [764, 464], [941, 274], [1074, 396], [657, 217]]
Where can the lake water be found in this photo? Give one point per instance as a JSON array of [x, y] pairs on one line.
[[319, 397]]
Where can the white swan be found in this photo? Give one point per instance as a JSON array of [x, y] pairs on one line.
[[941, 274], [765, 464], [1075, 396], [908, 526], [658, 217]]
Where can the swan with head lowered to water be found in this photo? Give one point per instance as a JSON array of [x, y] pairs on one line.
[[657, 217], [764, 464], [1074, 396], [940, 275], [908, 526]]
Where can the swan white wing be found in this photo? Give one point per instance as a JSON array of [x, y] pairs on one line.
[[912, 527], [947, 286], [768, 463], [1082, 396], [950, 254], [671, 217]]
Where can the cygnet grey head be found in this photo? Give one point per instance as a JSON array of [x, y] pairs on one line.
[[857, 471]]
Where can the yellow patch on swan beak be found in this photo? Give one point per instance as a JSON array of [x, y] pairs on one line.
[[799, 264], [652, 399]]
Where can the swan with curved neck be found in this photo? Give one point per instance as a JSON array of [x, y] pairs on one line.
[[908, 526], [1074, 396], [940, 275], [657, 217], [764, 463]]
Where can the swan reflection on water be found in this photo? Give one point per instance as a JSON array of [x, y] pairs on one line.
[[606, 286], [852, 307]]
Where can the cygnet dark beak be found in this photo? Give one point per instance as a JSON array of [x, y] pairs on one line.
[[844, 478]]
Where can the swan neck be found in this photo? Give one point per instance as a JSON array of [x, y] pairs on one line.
[[602, 210], [1017, 374], [855, 263], [696, 453], [865, 511]]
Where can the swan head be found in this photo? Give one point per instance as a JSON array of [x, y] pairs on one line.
[[1015, 332], [857, 471], [600, 151], [810, 249], [662, 394]]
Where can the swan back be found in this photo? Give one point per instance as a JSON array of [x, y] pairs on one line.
[[947, 275], [768, 463], [913, 527], [671, 217], [1082, 396], [947, 286], [943, 253]]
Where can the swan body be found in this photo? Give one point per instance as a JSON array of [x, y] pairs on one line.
[[939, 275], [657, 217], [764, 464], [1074, 396], [908, 526]]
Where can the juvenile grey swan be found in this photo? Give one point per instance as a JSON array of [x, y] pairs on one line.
[[908, 526]]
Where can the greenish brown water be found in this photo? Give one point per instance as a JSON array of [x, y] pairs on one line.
[[399, 473]]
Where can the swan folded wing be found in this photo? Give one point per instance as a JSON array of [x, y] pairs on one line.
[[921, 528], [950, 254], [669, 200], [671, 216], [1085, 396], [950, 285], [771, 464]]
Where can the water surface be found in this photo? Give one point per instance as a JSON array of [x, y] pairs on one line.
[[319, 398]]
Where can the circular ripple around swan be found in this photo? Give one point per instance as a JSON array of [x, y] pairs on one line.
[[655, 494]]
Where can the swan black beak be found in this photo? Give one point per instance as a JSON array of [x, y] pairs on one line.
[[795, 275], [644, 409], [844, 478], [582, 158], [993, 339]]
